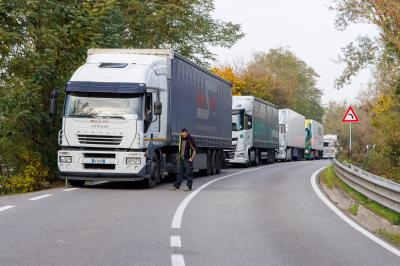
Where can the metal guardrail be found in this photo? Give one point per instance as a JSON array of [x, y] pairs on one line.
[[377, 188]]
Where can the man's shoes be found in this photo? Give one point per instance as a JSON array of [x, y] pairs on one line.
[[187, 189], [174, 188]]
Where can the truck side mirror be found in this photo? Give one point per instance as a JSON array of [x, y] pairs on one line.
[[53, 105], [157, 108]]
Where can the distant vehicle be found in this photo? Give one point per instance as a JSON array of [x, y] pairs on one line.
[[330, 146], [254, 131], [124, 109], [314, 140], [291, 135]]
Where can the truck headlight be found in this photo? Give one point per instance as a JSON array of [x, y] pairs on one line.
[[307, 151], [65, 159], [133, 160]]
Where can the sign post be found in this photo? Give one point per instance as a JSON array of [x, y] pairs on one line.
[[350, 117]]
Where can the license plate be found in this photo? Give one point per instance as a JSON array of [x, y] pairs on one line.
[[99, 161]]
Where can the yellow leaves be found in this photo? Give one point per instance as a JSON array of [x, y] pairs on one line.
[[238, 84]]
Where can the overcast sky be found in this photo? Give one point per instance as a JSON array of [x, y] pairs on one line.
[[305, 27]]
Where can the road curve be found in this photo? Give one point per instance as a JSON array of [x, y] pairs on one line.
[[269, 216]]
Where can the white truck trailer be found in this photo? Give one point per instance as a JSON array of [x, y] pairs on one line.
[[291, 135], [330, 146], [314, 140], [124, 109], [254, 131]]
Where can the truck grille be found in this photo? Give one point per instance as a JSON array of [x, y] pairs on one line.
[[231, 154], [99, 139], [100, 166], [99, 155]]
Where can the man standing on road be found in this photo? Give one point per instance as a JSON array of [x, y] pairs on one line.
[[187, 153]]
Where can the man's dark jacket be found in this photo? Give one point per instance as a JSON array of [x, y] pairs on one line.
[[190, 146]]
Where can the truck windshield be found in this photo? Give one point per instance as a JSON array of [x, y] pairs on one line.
[[237, 120], [329, 144], [104, 105]]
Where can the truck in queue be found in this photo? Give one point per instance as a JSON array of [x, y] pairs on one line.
[[330, 146], [124, 110], [254, 131], [314, 140], [291, 135]]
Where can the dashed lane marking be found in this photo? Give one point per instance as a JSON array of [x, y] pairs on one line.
[[177, 260], [176, 242], [41, 197], [97, 183], [70, 189], [4, 208]]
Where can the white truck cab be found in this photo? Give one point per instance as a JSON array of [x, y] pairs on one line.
[[108, 115], [242, 130]]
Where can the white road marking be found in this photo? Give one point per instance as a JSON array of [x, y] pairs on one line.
[[177, 260], [176, 242], [70, 189], [6, 207], [357, 227], [177, 220], [41, 197], [98, 183]]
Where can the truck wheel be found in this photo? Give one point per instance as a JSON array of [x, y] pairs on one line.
[[214, 163], [256, 158], [219, 162], [248, 162], [76, 183], [208, 170], [154, 177]]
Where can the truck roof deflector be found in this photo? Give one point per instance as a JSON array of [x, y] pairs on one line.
[[106, 87]]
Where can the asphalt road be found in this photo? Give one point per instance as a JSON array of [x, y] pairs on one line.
[[266, 216]]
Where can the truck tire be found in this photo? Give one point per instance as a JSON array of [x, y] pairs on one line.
[[154, 177], [248, 162], [76, 183], [214, 163], [219, 162], [256, 158], [208, 170]]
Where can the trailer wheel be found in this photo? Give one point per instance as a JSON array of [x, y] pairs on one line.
[[219, 162], [76, 183], [208, 170], [214, 164]]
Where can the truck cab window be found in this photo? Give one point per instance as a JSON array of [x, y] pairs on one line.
[[148, 110], [283, 128], [237, 120], [248, 121]]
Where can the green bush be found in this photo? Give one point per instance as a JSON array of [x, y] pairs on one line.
[[33, 177]]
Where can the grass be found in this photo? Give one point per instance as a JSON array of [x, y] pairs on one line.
[[392, 237], [354, 209], [329, 177]]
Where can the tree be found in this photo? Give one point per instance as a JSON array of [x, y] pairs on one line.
[[281, 77], [227, 72], [43, 42], [383, 55]]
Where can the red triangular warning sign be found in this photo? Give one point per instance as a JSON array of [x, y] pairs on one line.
[[350, 116]]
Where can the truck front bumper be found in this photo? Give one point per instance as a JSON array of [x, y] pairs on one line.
[[101, 165], [239, 158]]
